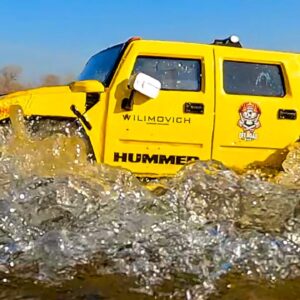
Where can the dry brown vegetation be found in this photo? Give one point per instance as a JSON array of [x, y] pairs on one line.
[[10, 80]]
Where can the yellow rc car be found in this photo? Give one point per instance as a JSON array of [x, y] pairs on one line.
[[152, 106]]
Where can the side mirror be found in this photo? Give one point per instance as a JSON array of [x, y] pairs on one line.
[[87, 86], [144, 84]]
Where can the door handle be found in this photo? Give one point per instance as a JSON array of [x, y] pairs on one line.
[[287, 114], [194, 108]]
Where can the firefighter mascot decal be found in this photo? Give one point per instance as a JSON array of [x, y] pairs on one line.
[[249, 120]]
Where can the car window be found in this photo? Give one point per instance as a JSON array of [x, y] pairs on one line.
[[173, 74], [253, 79], [102, 65]]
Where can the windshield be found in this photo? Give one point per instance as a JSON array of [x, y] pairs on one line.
[[102, 65]]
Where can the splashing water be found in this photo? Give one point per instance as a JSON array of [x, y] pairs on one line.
[[61, 216]]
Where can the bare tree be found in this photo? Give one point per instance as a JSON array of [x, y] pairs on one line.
[[50, 80], [10, 80], [9, 77]]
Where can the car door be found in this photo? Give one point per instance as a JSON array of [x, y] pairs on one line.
[[257, 100], [158, 136]]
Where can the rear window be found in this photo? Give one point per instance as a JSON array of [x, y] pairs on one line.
[[173, 74], [256, 79]]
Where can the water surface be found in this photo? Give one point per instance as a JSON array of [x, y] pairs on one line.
[[72, 229]]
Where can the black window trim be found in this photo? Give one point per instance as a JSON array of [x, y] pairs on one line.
[[278, 64], [178, 58]]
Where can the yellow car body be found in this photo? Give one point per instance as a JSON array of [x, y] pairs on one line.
[[235, 105]]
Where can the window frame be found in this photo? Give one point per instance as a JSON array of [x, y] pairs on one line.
[[201, 69], [281, 74]]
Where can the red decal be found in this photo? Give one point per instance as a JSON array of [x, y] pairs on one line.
[[249, 120], [4, 111]]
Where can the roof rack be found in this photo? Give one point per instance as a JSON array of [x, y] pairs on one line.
[[232, 41]]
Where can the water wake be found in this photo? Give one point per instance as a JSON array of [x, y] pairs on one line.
[[59, 213]]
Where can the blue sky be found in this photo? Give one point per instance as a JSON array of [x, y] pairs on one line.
[[58, 36]]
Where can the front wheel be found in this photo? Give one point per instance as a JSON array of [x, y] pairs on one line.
[[39, 128]]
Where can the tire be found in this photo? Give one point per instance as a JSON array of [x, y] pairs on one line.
[[39, 128]]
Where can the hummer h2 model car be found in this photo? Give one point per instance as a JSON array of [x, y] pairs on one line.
[[153, 106]]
